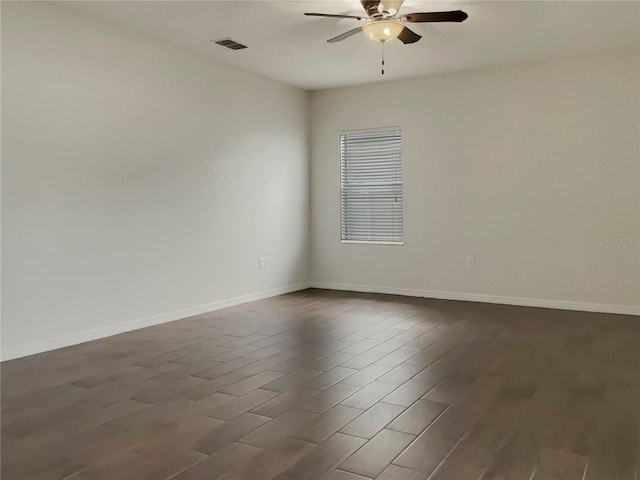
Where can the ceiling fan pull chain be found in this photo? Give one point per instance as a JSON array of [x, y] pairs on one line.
[[382, 57]]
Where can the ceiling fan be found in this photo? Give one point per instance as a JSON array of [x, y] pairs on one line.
[[383, 22]]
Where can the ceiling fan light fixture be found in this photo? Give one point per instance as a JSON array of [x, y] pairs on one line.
[[382, 30]]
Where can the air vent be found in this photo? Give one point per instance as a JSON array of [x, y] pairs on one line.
[[229, 43]]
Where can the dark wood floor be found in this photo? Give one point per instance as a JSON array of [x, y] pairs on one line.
[[335, 386]]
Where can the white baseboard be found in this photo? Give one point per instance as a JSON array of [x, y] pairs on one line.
[[478, 297], [108, 330]]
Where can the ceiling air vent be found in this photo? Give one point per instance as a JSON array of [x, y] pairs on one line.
[[229, 43]]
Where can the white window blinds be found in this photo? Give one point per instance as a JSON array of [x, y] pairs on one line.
[[371, 186]]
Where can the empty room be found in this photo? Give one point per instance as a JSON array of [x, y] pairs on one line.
[[320, 240]]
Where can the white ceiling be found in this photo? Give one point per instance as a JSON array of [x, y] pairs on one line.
[[288, 46]]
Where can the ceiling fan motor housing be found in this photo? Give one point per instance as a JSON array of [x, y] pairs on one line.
[[381, 8], [371, 7]]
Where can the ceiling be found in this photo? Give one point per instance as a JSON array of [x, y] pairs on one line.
[[288, 46]]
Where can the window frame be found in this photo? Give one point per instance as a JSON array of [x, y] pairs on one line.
[[371, 130]]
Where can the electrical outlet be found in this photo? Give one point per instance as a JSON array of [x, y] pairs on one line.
[[260, 263], [471, 262]]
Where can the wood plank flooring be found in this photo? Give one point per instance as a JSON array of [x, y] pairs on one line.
[[335, 386]]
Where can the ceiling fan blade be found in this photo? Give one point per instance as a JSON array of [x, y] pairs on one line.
[[408, 36], [331, 15], [452, 16], [344, 35]]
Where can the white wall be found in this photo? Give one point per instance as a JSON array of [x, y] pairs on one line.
[[138, 180], [526, 168]]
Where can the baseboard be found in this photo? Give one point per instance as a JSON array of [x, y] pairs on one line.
[[97, 333], [477, 297], [109, 330]]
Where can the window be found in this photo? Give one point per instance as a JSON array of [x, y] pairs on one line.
[[371, 186]]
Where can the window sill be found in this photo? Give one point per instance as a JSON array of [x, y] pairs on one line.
[[371, 242]]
